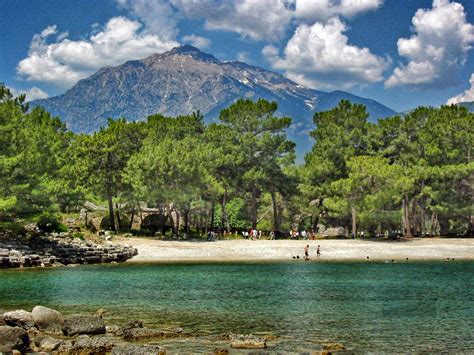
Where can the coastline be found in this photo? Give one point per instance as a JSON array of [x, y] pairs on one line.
[[153, 250]]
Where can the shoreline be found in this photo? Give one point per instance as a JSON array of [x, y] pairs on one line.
[[152, 250]]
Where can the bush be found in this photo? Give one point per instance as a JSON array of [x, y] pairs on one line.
[[50, 222]]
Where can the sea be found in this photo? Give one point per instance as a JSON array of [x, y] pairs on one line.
[[382, 307]]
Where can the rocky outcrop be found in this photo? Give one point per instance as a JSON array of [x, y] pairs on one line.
[[19, 318], [138, 350], [134, 330], [83, 325], [58, 249], [45, 330], [86, 344], [13, 338], [48, 320]]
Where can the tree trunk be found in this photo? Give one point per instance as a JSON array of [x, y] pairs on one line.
[[414, 219], [354, 220], [213, 213], [254, 208], [111, 208], [117, 213], [187, 213], [224, 219], [276, 221], [406, 217], [132, 218]]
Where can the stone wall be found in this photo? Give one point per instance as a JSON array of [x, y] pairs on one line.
[[56, 250]]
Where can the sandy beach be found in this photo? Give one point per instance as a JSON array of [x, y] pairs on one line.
[[155, 250]]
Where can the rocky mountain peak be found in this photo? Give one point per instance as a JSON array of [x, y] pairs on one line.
[[195, 53], [184, 80]]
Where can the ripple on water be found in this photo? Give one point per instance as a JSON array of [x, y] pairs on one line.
[[366, 306]]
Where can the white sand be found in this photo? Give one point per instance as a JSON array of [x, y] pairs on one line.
[[155, 250]]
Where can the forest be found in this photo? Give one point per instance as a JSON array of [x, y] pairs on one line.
[[412, 173]]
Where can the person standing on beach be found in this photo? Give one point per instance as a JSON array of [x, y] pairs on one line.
[[318, 251], [306, 252]]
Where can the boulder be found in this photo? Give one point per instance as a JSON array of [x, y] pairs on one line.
[[247, 341], [133, 324], [86, 344], [19, 318], [221, 351], [13, 338], [138, 350], [47, 344], [142, 332], [48, 320], [83, 325], [114, 329], [335, 232], [2, 320]]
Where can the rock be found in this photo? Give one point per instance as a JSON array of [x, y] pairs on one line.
[[142, 333], [335, 232], [133, 324], [221, 351], [247, 341], [114, 329], [48, 320], [48, 344], [84, 325], [86, 344], [65, 347], [333, 347], [19, 318], [2, 320], [138, 350], [13, 338], [134, 330]]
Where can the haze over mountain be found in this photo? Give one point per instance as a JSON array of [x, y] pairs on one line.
[[184, 80]]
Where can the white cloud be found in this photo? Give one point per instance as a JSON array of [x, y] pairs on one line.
[[438, 48], [197, 41], [466, 96], [243, 57], [320, 56], [255, 19], [63, 62], [158, 16], [32, 93], [319, 10]]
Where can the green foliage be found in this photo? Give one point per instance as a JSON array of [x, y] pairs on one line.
[[50, 222], [414, 173]]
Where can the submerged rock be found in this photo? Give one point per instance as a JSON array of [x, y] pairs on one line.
[[48, 320], [138, 350], [19, 318], [83, 325], [86, 344], [247, 341], [13, 338]]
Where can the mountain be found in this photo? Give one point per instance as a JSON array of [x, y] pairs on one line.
[[184, 80], [468, 105]]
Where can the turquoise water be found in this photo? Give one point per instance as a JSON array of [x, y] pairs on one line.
[[399, 307]]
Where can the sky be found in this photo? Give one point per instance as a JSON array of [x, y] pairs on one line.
[[402, 53]]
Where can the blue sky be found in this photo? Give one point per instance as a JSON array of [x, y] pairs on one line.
[[402, 53]]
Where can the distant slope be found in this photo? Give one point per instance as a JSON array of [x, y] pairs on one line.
[[184, 80], [468, 105]]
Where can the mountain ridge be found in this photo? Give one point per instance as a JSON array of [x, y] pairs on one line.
[[184, 80]]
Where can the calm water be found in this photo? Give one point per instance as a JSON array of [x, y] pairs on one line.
[[396, 307]]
